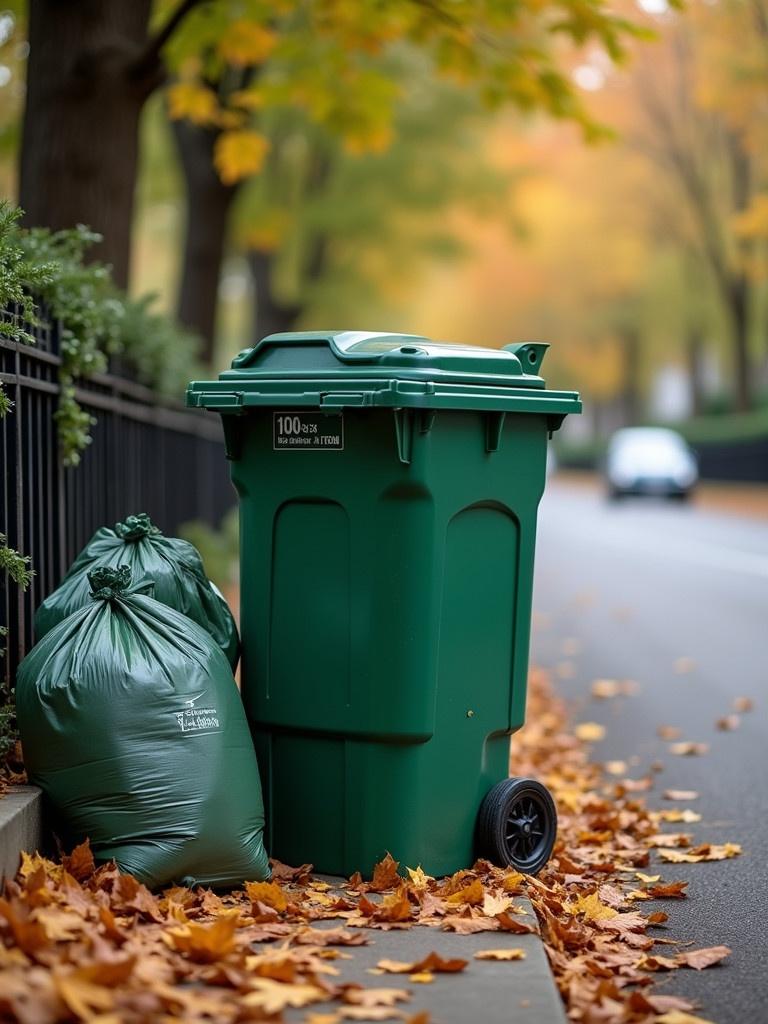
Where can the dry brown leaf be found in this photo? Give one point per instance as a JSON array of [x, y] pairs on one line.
[[669, 732], [205, 943], [431, 962], [268, 893], [728, 723], [500, 954], [385, 875], [680, 794], [422, 978], [590, 732], [674, 815], [616, 767], [375, 996], [689, 749], [743, 704], [274, 996], [701, 958], [80, 863], [472, 894], [680, 1017]]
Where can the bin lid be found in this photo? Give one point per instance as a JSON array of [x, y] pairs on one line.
[[337, 369]]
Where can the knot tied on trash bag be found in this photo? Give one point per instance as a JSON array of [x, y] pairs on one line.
[[136, 527], [107, 583]]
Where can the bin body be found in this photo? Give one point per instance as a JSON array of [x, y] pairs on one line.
[[386, 573]]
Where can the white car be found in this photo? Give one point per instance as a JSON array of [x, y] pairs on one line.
[[650, 460]]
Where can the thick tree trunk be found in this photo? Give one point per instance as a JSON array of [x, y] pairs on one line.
[[270, 316], [208, 204], [86, 85]]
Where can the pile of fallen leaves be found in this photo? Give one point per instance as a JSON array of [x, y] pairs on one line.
[[81, 942], [603, 949]]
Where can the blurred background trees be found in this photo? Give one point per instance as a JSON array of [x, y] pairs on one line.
[[484, 172]]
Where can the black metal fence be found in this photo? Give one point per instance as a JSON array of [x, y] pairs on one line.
[[147, 455]]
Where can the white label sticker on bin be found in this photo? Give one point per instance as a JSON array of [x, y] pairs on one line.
[[307, 431]]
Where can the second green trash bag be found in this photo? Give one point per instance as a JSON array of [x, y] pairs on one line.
[[132, 725], [173, 564]]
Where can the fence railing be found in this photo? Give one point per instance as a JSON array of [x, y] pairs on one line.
[[147, 455]]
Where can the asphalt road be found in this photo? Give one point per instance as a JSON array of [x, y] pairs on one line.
[[676, 599]]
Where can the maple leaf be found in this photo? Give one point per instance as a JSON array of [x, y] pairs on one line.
[[728, 723], [688, 748], [431, 962], [244, 43], [29, 935], [667, 890], [701, 958], [500, 954], [205, 943], [590, 732], [274, 996], [375, 996], [591, 907], [385, 875], [239, 153], [419, 879], [193, 101], [81, 996], [268, 893], [472, 894], [80, 863]]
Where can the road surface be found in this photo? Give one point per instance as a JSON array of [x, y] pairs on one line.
[[675, 598]]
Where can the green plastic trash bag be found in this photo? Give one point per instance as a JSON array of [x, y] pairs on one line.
[[173, 564], [132, 725]]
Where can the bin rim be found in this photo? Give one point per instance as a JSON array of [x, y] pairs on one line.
[[339, 369]]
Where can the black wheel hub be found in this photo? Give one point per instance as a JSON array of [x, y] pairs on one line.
[[524, 829]]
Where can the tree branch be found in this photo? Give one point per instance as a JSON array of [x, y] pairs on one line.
[[148, 60]]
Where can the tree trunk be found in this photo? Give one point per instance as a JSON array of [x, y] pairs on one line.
[[739, 310], [695, 354], [86, 86], [270, 316], [631, 388], [207, 207]]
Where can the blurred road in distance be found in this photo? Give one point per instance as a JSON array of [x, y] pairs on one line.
[[674, 596]]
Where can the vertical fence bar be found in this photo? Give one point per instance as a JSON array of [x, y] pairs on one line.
[[146, 455]]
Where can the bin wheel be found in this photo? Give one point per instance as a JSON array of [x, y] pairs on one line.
[[517, 825]]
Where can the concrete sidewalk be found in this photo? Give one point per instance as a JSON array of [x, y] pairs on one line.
[[491, 991]]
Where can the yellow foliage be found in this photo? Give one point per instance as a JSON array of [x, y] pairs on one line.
[[238, 154], [245, 42], [194, 101]]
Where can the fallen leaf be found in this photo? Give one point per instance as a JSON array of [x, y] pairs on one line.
[[701, 958], [616, 767], [669, 732], [668, 890], [472, 894], [679, 1017], [674, 814], [728, 723], [205, 943], [743, 704], [385, 875], [80, 863], [688, 748], [375, 996], [680, 794], [590, 732], [268, 893], [422, 978], [419, 878], [431, 962], [274, 996], [500, 954]]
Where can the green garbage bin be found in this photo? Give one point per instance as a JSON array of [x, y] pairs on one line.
[[389, 487]]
